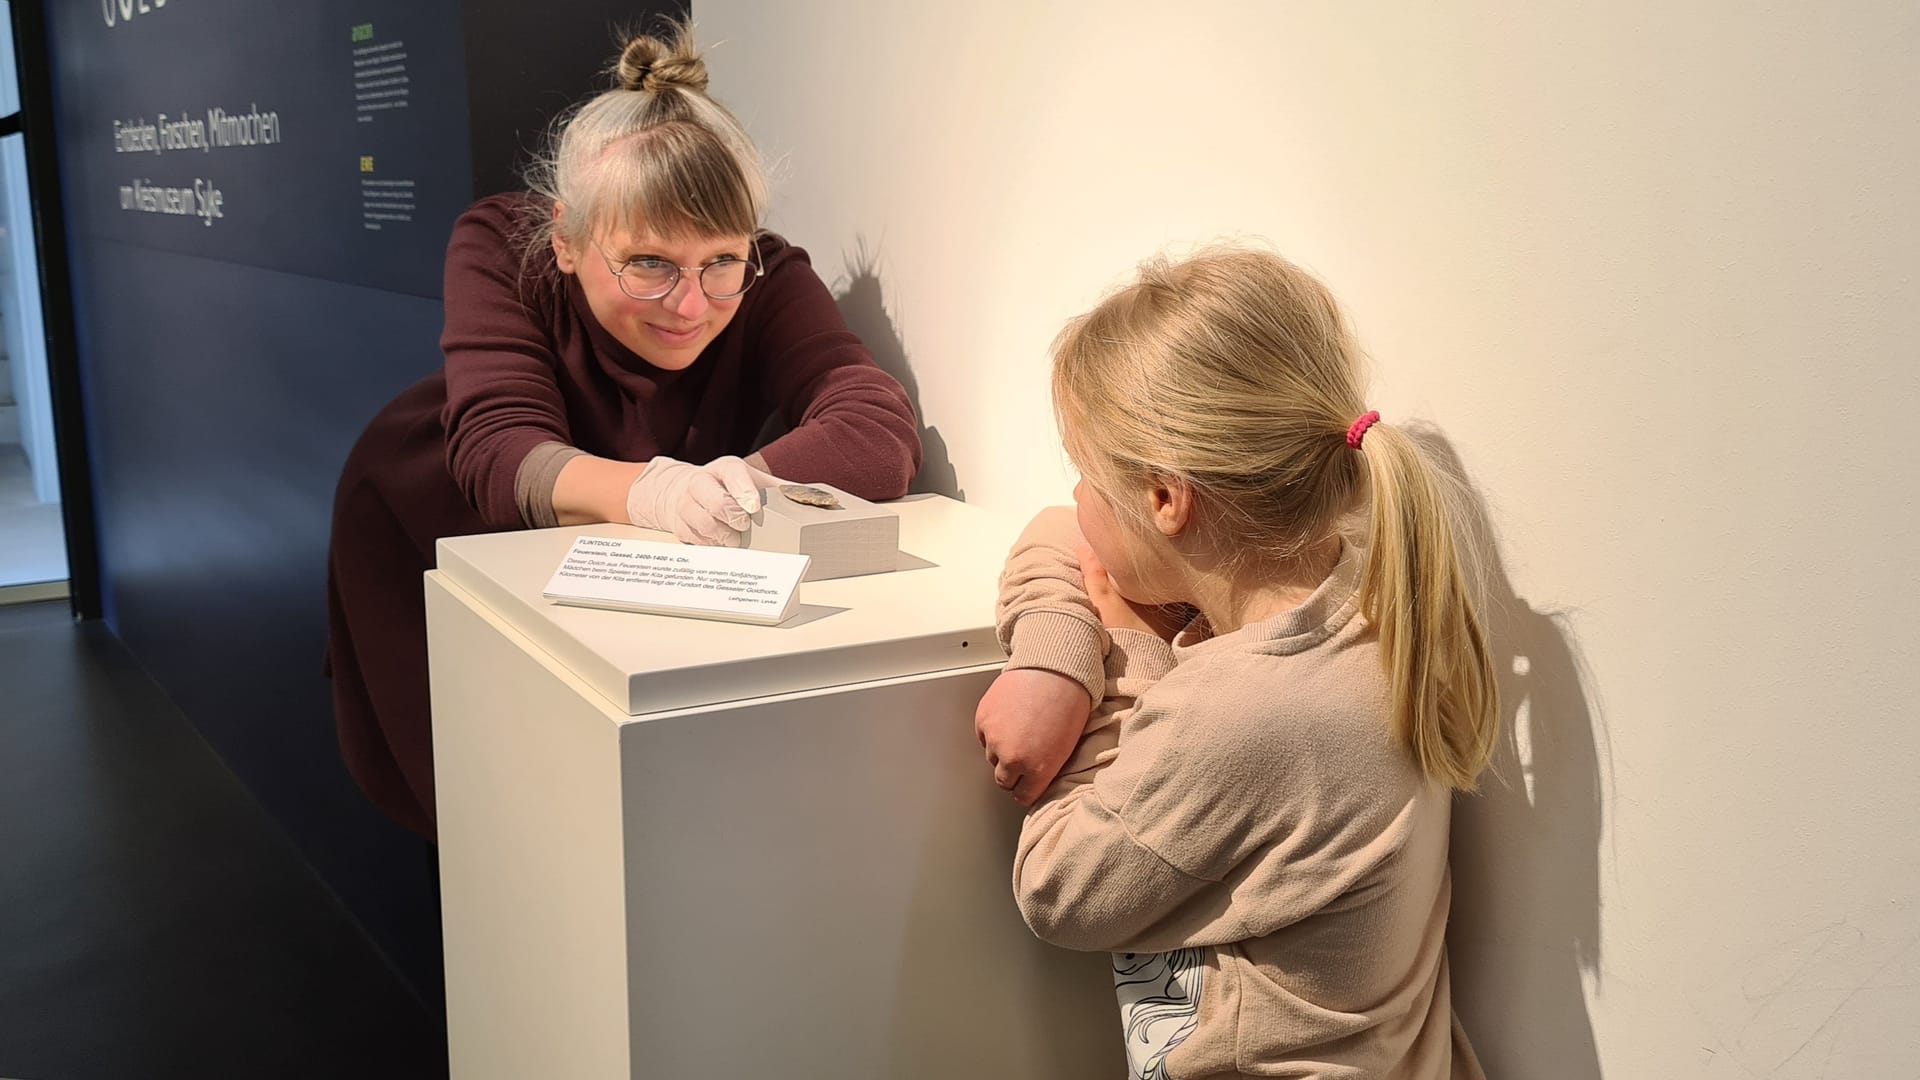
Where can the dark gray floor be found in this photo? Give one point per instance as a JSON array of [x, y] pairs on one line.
[[153, 922]]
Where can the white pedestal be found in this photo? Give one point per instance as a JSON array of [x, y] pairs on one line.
[[676, 849]]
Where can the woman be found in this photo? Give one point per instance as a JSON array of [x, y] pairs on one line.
[[613, 338]]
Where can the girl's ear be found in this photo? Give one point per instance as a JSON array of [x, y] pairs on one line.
[[1170, 504], [563, 256]]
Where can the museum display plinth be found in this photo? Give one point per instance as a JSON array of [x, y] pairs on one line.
[[676, 848]]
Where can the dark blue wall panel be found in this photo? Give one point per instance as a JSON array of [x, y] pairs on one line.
[[228, 361], [216, 453]]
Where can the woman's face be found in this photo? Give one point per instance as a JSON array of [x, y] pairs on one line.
[[668, 332]]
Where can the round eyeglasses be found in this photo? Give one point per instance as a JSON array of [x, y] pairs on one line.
[[651, 277]]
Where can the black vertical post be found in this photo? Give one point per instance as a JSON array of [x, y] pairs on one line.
[[31, 53]]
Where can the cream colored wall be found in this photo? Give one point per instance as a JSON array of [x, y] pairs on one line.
[[1649, 267]]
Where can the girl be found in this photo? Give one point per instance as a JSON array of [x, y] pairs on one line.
[[1255, 821], [615, 338]]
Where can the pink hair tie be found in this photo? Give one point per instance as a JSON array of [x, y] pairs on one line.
[[1359, 429]]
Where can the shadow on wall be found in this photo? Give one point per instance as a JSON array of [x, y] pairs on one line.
[[864, 307], [1524, 940]]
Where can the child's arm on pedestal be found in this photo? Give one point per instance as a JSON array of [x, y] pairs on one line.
[[1031, 718], [1138, 655]]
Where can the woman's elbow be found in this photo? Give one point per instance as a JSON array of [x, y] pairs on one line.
[[889, 473], [897, 479], [901, 428]]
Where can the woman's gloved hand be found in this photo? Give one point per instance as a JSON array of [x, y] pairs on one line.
[[700, 504]]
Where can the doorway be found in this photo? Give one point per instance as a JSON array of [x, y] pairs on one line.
[[33, 549]]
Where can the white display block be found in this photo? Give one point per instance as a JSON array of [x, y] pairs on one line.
[[684, 849], [857, 537]]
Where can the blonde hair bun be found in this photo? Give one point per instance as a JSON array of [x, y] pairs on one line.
[[651, 65], [653, 153]]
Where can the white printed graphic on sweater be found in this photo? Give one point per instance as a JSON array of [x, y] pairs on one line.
[[1159, 1005]]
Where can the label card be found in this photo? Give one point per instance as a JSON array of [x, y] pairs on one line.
[[728, 584]]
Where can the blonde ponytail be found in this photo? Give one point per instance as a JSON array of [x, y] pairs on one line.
[[1416, 593]]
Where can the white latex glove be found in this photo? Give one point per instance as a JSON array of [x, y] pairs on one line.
[[699, 504]]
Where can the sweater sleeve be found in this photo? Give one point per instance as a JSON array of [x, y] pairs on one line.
[[1134, 663], [851, 423], [1044, 617], [1204, 828], [1084, 880], [502, 396]]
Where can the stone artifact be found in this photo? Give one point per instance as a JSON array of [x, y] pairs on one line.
[[811, 496]]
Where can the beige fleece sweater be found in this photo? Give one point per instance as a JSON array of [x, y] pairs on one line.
[[1240, 829]]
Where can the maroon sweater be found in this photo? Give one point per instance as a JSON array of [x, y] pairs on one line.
[[527, 363]]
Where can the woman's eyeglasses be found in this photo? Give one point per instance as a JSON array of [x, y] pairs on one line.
[[650, 277]]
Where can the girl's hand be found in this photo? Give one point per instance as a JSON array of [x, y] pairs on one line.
[[1119, 613], [1028, 723]]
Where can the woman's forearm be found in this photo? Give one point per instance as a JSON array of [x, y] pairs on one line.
[[591, 489]]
